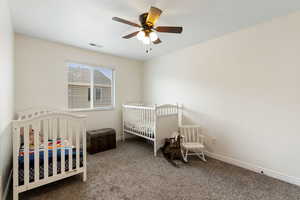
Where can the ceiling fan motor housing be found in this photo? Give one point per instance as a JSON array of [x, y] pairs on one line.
[[143, 19]]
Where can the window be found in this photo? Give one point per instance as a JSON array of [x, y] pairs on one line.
[[90, 87]]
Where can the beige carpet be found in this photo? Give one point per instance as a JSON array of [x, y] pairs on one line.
[[132, 172]]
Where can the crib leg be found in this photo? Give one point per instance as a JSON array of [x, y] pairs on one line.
[[15, 194], [84, 176], [154, 147]]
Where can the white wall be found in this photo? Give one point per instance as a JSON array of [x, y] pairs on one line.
[[41, 78], [6, 92], [244, 89]]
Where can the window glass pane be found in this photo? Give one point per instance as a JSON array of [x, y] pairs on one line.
[[78, 96], [79, 77], [102, 87], [79, 74], [98, 93]]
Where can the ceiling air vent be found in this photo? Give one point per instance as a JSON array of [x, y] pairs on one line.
[[95, 45]]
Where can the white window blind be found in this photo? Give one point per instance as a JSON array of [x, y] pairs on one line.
[[90, 87]]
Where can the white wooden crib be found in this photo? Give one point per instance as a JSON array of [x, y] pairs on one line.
[[47, 146], [154, 123]]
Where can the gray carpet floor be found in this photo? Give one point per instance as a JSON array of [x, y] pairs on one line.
[[131, 172]]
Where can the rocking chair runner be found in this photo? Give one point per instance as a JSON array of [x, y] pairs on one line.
[[192, 143]]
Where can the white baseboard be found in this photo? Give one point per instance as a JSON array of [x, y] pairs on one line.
[[255, 168], [7, 186]]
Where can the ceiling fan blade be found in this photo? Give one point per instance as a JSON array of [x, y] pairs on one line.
[[153, 16], [131, 35], [157, 41], [169, 29], [124, 21]]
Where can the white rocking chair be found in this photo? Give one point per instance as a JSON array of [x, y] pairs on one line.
[[192, 142]]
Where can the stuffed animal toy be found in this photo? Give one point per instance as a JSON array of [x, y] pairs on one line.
[[172, 149]]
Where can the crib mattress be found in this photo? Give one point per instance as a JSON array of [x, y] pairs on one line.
[[140, 129], [50, 165]]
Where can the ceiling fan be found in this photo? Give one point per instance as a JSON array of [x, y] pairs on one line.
[[147, 32]]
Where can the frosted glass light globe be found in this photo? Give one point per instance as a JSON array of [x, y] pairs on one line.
[[140, 35], [146, 40], [153, 36]]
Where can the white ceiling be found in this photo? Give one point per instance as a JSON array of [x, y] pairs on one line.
[[79, 22]]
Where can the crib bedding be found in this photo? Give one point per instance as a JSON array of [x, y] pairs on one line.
[[140, 128], [68, 149], [59, 146], [50, 155], [50, 163]]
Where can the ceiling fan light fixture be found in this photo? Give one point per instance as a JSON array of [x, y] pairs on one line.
[[146, 40], [141, 35], [153, 36]]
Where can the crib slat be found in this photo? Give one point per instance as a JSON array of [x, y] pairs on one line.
[[36, 129], [140, 119], [63, 125], [147, 122], [16, 148], [54, 145], [84, 148], [26, 154], [46, 136], [150, 123], [143, 122], [70, 139], [77, 132]]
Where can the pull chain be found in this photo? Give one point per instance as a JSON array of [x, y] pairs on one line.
[[148, 48]]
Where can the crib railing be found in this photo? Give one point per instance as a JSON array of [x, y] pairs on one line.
[[167, 110], [68, 128], [143, 118], [33, 112]]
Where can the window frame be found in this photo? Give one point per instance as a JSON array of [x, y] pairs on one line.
[[92, 68]]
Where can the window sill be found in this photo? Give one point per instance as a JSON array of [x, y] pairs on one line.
[[92, 109]]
